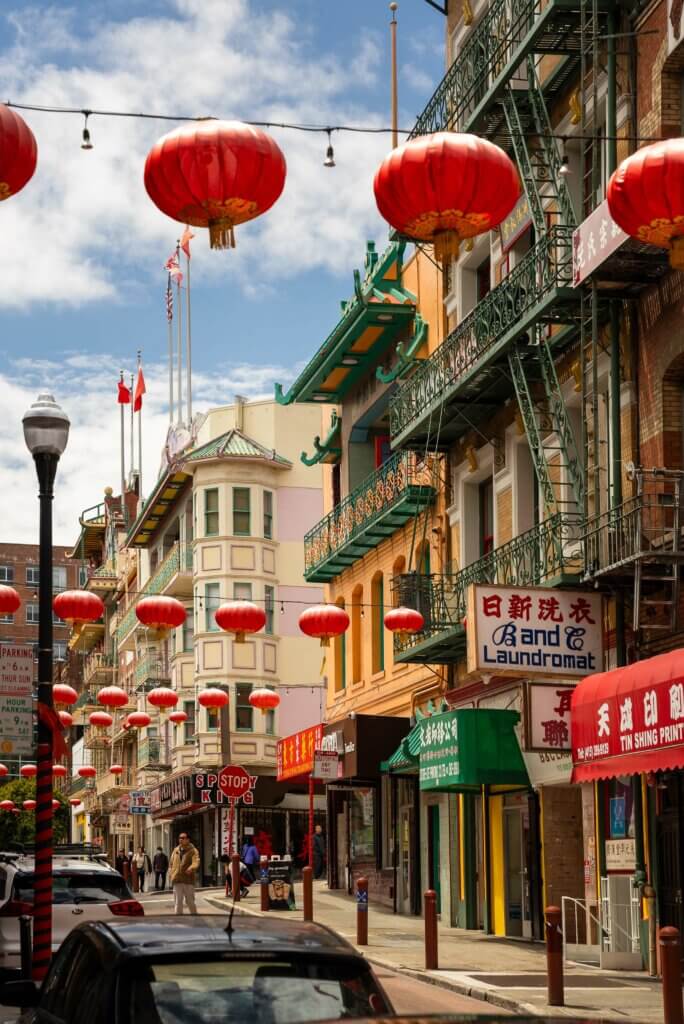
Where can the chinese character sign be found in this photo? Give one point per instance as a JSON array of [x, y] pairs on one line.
[[439, 762], [594, 241], [295, 754], [549, 717], [534, 633]]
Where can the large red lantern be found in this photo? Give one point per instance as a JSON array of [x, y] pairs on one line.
[[404, 621], [215, 174], [139, 719], [323, 621], [112, 697], [240, 617], [28, 771], [212, 697], [7, 805], [100, 720], [63, 695], [10, 601], [160, 613], [445, 187], [163, 697], [59, 771], [74, 801], [264, 699], [66, 718], [116, 769], [18, 153], [78, 606], [87, 771], [646, 197], [178, 717], [29, 805], [4, 770]]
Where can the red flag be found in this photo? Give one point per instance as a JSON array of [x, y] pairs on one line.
[[185, 241], [173, 267], [124, 395], [139, 391]]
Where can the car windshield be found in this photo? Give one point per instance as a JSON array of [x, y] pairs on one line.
[[223, 990], [76, 887]]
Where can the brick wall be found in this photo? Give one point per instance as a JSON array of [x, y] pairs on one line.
[[20, 558], [380, 882], [661, 373]]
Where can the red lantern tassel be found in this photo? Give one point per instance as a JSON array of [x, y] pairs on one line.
[[221, 233]]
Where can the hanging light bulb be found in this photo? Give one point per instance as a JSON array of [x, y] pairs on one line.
[[329, 153], [565, 165], [86, 143]]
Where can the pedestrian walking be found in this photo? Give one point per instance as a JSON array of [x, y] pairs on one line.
[[250, 856], [160, 865], [183, 872], [143, 866], [318, 852], [121, 863]]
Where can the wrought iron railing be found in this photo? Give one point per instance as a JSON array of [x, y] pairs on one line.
[[150, 671], [403, 474], [489, 49], [97, 662], [152, 753], [547, 266], [549, 550], [179, 559]]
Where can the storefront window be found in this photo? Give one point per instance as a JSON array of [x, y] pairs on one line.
[[620, 809], [362, 823]]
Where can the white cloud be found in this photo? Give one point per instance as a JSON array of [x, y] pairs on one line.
[[92, 458], [85, 211]]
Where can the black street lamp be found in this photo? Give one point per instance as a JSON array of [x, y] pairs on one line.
[[46, 431]]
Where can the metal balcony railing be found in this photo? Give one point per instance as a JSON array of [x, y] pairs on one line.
[[505, 313], [179, 559], [150, 671], [97, 664], [402, 486], [549, 551], [152, 753]]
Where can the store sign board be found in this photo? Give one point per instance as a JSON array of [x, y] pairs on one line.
[[620, 855], [295, 753], [325, 765], [123, 825], [548, 769], [16, 699], [594, 241], [534, 632], [439, 754], [515, 224], [548, 710], [139, 801]]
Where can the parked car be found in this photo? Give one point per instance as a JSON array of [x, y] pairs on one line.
[[199, 970], [84, 888]]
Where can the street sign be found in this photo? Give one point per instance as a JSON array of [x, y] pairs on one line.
[[325, 765], [236, 783], [16, 699]]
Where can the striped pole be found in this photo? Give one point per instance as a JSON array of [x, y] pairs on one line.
[[46, 465]]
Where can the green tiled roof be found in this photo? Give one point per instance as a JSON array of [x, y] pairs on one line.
[[235, 444]]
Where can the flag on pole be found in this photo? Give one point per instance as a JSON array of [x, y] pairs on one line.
[[169, 300], [140, 390], [185, 241], [173, 267], [124, 395]]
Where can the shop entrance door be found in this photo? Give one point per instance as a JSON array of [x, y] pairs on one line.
[[670, 872], [433, 852], [405, 880], [342, 842], [518, 916]]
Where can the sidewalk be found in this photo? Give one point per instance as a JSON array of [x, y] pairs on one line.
[[505, 973]]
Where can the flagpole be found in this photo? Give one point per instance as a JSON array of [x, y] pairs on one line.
[[180, 343], [189, 338], [132, 432], [140, 490], [123, 461], [169, 319]]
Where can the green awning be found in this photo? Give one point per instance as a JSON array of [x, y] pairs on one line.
[[405, 757], [468, 748]]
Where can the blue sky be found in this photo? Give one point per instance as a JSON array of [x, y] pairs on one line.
[[83, 246]]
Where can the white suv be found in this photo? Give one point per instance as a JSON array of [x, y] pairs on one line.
[[84, 888]]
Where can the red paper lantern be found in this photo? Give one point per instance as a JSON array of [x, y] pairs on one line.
[[59, 771], [264, 699], [63, 695], [178, 717], [28, 771], [445, 187], [112, 697], [162, 697], [160, 613], [15, 810], [4, 770], [74, 801], [66, 719], [240, 617], [7, 805], [100, 719], [116, 769], [9, 598], [87, 771], [78, 606], [646, 197], [215, 174], [55, 804], [404, 621], [29, 805], [139, 719], [18, 153], [324, 621], [212, 697]]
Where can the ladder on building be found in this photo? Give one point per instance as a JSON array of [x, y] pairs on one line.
[[658, 526]]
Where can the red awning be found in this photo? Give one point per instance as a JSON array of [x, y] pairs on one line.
[[629, 720]]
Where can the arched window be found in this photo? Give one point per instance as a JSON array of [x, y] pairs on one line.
[[357, 629], [398, 568], [340, 656], [377, 623]]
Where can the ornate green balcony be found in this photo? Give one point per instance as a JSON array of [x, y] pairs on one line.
[[399, 489], [152, 754], [173, 577], [463, 371], [490, 57], [550, 554], [150, 671]]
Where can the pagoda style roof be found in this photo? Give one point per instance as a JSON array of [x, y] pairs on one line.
[[234, 444]]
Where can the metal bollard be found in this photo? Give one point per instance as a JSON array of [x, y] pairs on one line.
[[263, 882], [431, 954], [307, 881], [235, 872], [554, 957], [361, 911], [25, 947], [671, 966]]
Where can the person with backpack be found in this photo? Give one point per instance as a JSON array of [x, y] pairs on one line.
[[250, 856]]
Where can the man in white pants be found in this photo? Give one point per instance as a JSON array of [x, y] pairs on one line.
[[183, 871]]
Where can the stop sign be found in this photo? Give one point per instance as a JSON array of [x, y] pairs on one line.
[[234, 781]]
